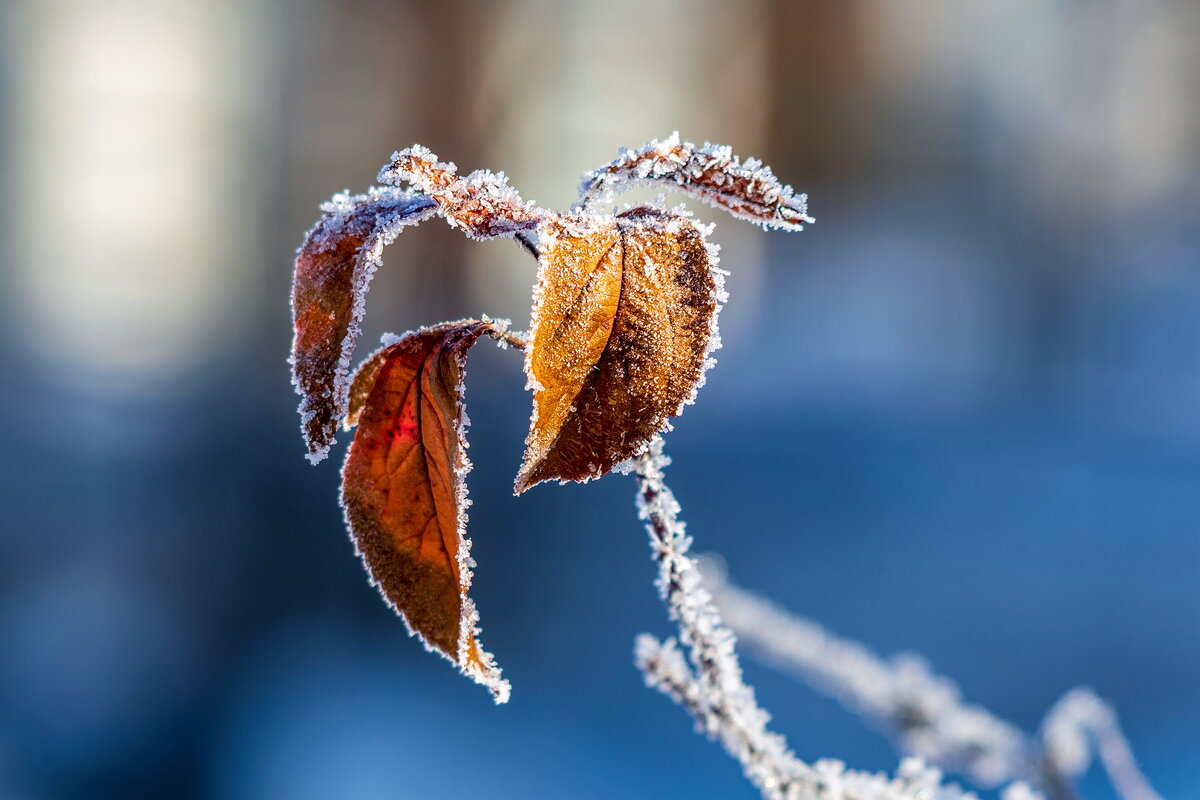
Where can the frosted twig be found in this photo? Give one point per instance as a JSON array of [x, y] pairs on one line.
[[503, 335], [1078, 724], [712, 690], [925, 713]]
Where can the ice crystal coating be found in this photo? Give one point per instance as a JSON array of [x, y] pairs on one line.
[[925, 712], [624, 318], [481, 204], [404, 491], [746, 189], [333, 271]]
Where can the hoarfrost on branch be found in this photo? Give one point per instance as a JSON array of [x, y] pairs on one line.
[[708, 682], [933, 726], [925, 713]]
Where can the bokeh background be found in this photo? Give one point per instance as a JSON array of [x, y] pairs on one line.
[[958, 415]]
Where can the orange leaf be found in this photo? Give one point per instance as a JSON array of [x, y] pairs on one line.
[[333, 270], [624, 317], [404, 495]]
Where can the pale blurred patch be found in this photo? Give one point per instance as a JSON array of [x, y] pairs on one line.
[[129, 241]]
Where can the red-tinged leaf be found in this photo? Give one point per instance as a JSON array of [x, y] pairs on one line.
[[624, 318], [333, 270], [746, 189], [481, 204], [403, 490]]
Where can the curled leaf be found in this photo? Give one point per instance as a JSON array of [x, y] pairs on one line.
[[624, 317], [332, 272], [482, 204], [404, 495], [746, 189]]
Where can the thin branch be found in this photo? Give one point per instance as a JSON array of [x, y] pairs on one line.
[[922, 711], [711, 687], [925, 713], [502, 334]]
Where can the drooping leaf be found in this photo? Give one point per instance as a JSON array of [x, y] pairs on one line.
[[624, 317], [746, 189], [333, 270], [481, 204], [404, 494]]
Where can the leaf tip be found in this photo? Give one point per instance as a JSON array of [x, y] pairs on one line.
[[524, 481], [480, 666]]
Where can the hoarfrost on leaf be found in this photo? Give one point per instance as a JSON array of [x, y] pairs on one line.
[[712, 173], [481, 204], [623, 318], [333, 271], [404, 494]]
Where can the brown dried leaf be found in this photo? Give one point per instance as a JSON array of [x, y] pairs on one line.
[[712, 173], [624, 317], [481, 204], [404, 495], [333, 270]]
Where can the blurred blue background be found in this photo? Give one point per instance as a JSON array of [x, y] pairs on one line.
[[959, 415]]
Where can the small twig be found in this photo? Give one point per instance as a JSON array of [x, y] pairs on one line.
[[507, 337]]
